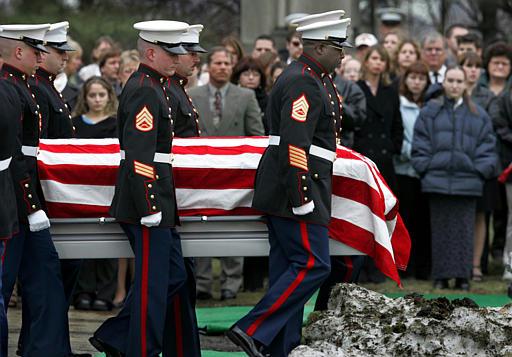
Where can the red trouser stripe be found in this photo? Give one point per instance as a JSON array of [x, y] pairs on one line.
[[179, 332], [144, 290], [5, 250], [350, 269], [300, 277]]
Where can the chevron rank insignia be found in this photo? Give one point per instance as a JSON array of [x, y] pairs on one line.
[[144, 120], [300, 107], [297, 157], [144, 170]]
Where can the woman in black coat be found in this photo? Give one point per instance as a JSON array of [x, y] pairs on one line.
[[381, 135]]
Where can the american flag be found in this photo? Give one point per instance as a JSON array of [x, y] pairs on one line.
[[214, 176]]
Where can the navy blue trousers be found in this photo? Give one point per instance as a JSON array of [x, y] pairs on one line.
[[182, 312], [298, 265], [32, 257], [138, 329], [3, 315]]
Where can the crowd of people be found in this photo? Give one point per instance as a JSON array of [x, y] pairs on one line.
[[434, 113]]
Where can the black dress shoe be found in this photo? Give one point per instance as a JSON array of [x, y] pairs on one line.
[[227, 295], [83, 302], [101, 305], [79, 355], [101, 346], [441, 284], [462, 284], [202, 295], [250, 346]]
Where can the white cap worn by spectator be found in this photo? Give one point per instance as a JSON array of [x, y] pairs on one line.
[[56, 36], [334, 32], [164, 33], [365, 39], [390, 16], [190, 39], [32, 35], [323, 16]]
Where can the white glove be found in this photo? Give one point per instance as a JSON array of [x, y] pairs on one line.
[[152, 220], [38, 221], [304, 209]]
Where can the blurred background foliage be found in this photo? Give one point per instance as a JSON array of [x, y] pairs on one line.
[[90, 19]]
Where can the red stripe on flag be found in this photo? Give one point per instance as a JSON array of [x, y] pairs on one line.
[[144, 290], [74, 210], [217, 150], [79, 174], [214, 179], [359, 191], [80, 148], [298, 279], [364, 241]]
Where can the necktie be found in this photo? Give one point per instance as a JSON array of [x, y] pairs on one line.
[[436, 77], [218, 108]]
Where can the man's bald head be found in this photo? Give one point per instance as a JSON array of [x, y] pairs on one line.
[[20, 55], [8, 46], [157, 58]]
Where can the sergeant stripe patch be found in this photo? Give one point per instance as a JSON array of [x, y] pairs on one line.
[[144, 170], [144, 120], [300, 107], [297, 157]]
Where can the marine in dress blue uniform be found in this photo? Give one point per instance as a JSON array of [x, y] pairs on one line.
[[186, 124], [9, 128], [30, 254], [55, 124], [144, 200], [293, 188], [344, 269]]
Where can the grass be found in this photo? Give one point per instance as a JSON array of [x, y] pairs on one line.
[[491, 285]]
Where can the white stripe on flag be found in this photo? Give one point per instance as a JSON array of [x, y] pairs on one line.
[[52, 158], [221, 142], [242, 161], [77, 194], [361, 216], [225, 199], [98, 142]]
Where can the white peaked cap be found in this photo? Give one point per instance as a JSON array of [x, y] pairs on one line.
[[57, 36], [32, 35], [324, 16], [164, 33], [332, 31], [192, 34], [58, 32]]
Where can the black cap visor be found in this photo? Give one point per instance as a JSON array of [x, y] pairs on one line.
[[339, 42], [194, 47], [37, 44], [61, 46]]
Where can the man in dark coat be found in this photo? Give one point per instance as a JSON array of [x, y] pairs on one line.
[[31, 254], [145, 198], [293, 188]]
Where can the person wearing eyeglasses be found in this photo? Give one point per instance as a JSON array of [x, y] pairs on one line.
[[434, 54], [293, 46]]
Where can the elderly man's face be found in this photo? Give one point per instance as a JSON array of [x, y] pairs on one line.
[[433, 54]]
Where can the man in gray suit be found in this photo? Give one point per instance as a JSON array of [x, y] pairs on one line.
[[225, 110]]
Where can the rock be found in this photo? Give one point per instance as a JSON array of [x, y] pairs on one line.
[[361, 322]]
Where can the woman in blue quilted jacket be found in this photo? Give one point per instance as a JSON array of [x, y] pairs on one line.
[[453, 151]]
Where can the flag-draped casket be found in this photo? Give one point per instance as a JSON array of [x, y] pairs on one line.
[[214, 176]]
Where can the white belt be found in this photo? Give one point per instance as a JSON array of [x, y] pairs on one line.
[[4, 164], [313, 149], [159, 157], [29, 150]]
